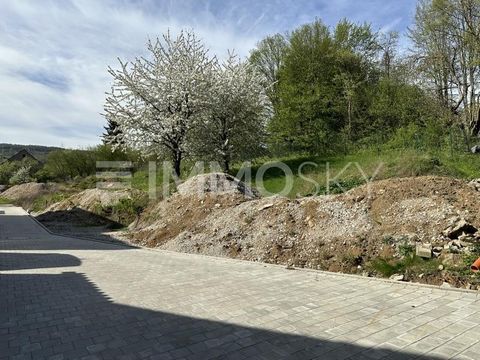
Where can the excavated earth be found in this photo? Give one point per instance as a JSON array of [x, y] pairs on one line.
[[88, 211], [217, 215], [25, 194]]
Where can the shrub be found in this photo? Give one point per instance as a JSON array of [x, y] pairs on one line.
[[67, 164], [22, 176], [7, 170]]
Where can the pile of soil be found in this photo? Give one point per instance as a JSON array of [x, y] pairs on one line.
[[91, 207], [91, 200], [25, 194], [336, 233]]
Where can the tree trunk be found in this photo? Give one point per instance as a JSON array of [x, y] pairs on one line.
[[177, 161], [226, 164]]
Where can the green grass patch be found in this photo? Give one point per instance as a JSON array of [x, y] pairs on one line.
[[44, 201], [335, 174], [4, 201], [411, 264]]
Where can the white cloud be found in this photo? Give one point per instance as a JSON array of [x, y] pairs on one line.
[[54, 54]]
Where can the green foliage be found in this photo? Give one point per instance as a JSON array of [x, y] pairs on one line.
[[410, 264], [68, 164], [324, 85], [469, 259], [7, 169], [4, 201], [126, 210], [22, 175], [44, 201], [406, 250]]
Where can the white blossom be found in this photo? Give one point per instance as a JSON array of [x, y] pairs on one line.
[[238, 115], [156, 100]]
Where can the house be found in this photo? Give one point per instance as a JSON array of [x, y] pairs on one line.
[[23, 154]]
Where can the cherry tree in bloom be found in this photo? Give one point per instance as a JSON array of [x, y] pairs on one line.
[[240, 109], [156, 100]]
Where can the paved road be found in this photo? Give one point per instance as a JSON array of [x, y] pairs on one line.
[[64, 298]]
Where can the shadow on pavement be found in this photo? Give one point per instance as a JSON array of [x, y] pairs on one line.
[[45, 315], [78, 216], [31, 236], [21, 261]]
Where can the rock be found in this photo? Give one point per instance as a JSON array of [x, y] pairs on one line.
[[446, 285], [460, 228], [452, 260], [217, 183], [218, 205], [475, 184], [475, 149], [424, 250], [441, 267], [437, 251], [266, 206], [397, 277], [467, 238]]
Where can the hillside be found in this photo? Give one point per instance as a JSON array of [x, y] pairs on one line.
[[40, 152]]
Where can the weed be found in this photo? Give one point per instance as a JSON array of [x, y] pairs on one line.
[[405, 249], [4, 200]]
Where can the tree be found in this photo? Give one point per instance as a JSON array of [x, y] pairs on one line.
[[112, 134], [268, 58], [447, 49], [157, 100], [388, 44], [235, 127], [323, 86]]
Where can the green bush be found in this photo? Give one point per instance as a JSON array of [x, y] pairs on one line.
[[7, 170], [22, 175]]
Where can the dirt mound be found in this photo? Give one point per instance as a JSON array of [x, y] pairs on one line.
[[94, 207], [337, 233], [91, 200], [25, 194], [417, 206], [218, 183]]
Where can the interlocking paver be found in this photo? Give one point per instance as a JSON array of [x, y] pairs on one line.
[[65, 298]]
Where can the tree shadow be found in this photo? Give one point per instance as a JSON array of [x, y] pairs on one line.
[[46, 315], [22, 261], [77, 222], [78, 217], [31, 236]]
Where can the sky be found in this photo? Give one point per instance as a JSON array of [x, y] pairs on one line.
[[54, 54]]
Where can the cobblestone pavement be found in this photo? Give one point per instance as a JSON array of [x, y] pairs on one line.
[[65, 298]]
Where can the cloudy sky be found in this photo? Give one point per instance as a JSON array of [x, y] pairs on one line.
[[54, 53]]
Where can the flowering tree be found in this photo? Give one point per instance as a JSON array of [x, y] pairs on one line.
[[157, 100], [237, 118]]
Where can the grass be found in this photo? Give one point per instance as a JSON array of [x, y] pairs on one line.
[[334, 174], [412, 264], [44, 201], [4, 201]]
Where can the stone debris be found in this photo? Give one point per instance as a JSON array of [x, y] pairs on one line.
[[341, 232], [460, 228], [424, 250], [217, 183], [397, 277], [475, 184]]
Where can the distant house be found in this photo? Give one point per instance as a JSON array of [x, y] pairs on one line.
[[23, 154]]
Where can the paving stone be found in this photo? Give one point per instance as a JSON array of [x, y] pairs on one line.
[[66, 298]]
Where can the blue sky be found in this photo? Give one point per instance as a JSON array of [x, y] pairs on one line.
[[54, 53]]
